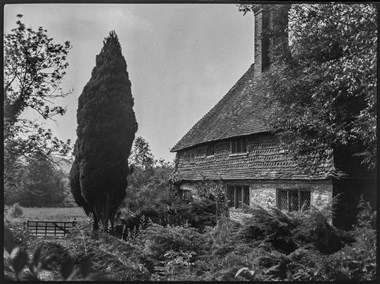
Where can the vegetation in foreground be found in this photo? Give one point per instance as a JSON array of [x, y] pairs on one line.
[[269, 245]]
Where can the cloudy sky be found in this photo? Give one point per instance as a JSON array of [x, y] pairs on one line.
[[182, 58]]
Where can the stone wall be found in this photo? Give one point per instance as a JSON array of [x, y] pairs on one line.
[[263, 193]]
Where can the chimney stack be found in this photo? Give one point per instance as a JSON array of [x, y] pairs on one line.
[[265, 37]]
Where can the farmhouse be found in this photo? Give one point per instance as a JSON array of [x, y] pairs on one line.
[[233, 144]]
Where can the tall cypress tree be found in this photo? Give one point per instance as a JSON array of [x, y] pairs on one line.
[[106, 130]]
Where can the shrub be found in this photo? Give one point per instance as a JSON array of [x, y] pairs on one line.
[[176, 266], [15, 211], [18, 265], [199, 213], [324, 236], [366, 216], [160, 240], [46, 249], [355, 262], [108, 254], [20, 237], [223, 235], [270, 226]]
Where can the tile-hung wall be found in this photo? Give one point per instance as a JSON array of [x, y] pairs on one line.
[[252, 157]]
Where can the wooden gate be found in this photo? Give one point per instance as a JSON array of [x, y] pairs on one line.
[[43, 229]]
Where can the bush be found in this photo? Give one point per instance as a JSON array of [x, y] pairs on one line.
[[108, 254], [198, 214], [20, 264], [366, 216], [14, 211], [223, 235], [20, 237], [270, 226], [159, 240]]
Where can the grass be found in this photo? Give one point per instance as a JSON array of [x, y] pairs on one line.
[[46, 214]]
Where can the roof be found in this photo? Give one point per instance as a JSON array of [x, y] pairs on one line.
[[240, 112]]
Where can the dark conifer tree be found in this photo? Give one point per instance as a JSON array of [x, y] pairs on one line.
[[106, 130]]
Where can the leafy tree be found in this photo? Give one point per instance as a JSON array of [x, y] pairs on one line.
[[141, 155], [41, 184], [33, 69], [323, 84], [148, 181], [149, 188], [106, 129]]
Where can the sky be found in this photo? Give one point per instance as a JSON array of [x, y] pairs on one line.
[[181, 59]]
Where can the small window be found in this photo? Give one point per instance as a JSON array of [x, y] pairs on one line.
[[191, 154], [239, 146], [210, 150], [199, 151], [237, 195], [293, 200]]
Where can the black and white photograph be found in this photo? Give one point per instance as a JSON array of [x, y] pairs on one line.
[[200, 141]]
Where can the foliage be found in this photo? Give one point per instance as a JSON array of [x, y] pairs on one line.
[[19, 266], [33, 69], [41, 185], [213, 190], [107, 253], [149, 188], [229, 251], [14, 211], [20, 237], [38, 183], [141, 155], [149, 184], [223, 235], [106, 129], [197, 214], [366, 217], [264, 225], [160, 240], [323, 85], [68, 200], [174, 265]]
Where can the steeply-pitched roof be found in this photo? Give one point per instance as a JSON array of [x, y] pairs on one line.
[[240, 112]]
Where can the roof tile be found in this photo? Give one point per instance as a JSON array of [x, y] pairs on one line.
[[239, 112]]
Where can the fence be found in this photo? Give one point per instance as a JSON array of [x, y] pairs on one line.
[[49, 228]]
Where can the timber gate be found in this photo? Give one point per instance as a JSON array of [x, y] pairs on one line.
[[43, 229]]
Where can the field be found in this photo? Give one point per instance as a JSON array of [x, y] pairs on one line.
[[47, 214]]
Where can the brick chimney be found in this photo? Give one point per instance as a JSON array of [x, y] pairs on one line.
[[265, 19]]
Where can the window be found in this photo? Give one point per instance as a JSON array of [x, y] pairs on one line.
[[199, 151], [210, 150], [293, 200], [239, 146], [189, 154], [237, 195]]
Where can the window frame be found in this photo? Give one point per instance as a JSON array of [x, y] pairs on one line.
[[289, 192], [210, 146], [238, 199], [192, 154], [238, 146]]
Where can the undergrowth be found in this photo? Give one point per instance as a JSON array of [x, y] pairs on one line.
[[269, 245]]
